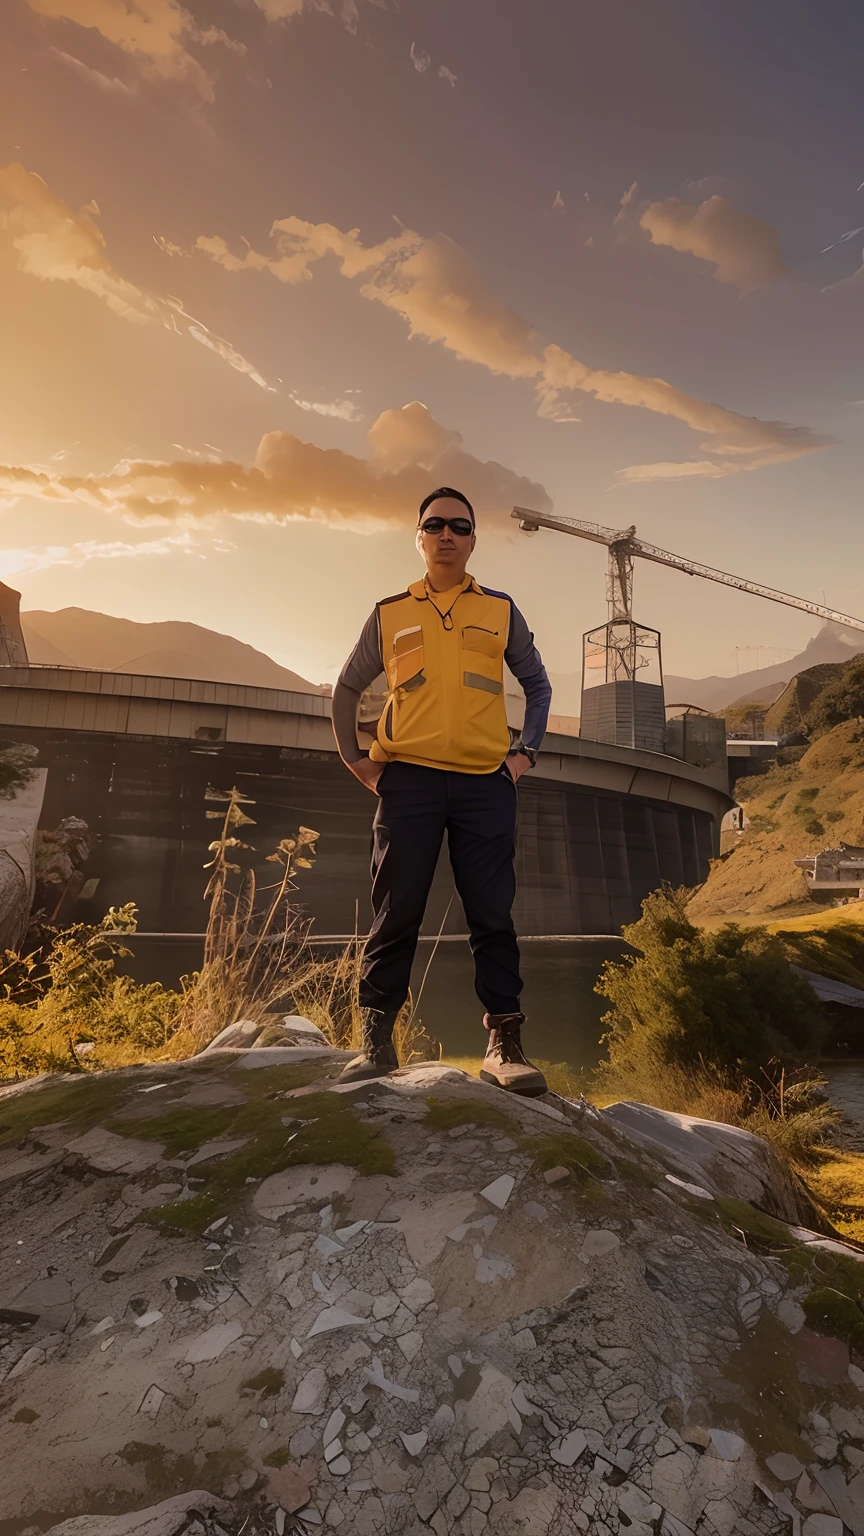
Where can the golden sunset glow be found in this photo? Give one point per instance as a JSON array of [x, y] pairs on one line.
[[273, 270]]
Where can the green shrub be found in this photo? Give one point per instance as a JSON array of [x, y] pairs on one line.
[[16, 767], [68, 1008], [843, 699], [726, 1000], [715, 1025]]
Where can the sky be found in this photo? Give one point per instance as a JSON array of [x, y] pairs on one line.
[[270, 270]]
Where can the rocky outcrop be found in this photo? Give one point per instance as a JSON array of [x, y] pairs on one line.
[[726, 1159], [19, 819], [408, 1306]]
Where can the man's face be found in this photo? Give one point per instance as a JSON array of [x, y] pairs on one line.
[[446, 546]]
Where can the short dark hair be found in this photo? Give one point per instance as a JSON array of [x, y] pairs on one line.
[[445, 491]]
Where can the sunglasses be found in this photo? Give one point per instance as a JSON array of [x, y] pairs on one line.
[[459, 525]]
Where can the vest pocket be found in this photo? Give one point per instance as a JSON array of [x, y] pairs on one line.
[[484, 642], [409, 686], [482, 654], [408, 658]]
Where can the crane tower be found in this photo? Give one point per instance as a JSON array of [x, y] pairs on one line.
[[622, 675]]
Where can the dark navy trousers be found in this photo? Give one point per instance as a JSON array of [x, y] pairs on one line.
[[478, 813]]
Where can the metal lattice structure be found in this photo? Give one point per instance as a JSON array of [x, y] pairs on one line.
[[629, 711], [623, 546]]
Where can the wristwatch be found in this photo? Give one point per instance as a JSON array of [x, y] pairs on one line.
[[525, 752]]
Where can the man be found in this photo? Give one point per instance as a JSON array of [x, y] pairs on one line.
[[441, 761]]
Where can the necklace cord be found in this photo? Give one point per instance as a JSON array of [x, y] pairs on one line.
[[445, 618]]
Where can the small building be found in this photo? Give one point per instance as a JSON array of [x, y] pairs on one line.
[[834, 872], [696, 736]]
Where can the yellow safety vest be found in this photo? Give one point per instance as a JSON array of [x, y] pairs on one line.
[[443, 654]]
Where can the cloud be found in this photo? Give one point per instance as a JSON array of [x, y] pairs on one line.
[[199, 332], [420, 59], [623, 215], [439, 290], [108, 85], [290, 479], [169, 247], [209, 454], [849, 235], [743, 249], [342, 410], [347, 10], [42, 557], [153, 33], [50, 242], [854, 279]]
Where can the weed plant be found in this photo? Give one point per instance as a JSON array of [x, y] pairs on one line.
[[64, 1007]]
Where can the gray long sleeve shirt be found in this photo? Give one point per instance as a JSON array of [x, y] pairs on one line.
[[366, 663]]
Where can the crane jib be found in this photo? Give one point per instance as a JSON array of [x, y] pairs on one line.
[[624, 542]]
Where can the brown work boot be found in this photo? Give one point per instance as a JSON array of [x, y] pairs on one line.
[[505, 1063], [378, 1054]]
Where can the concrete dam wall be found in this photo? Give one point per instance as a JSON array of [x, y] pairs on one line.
[[599, 826]]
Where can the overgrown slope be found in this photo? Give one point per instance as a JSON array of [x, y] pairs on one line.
[[829, 941], [791, 710], [795, 809]]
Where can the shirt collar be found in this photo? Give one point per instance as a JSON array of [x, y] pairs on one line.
[[419, 590]]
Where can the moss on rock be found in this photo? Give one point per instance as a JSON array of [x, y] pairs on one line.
[[328, 1130], [447, 1114], [831, 1311], [564, 1149]]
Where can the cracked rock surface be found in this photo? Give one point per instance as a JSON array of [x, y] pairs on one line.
[[234, 1297]]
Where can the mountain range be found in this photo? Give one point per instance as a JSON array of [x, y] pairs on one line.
[[80, 638], [834, 642], [76, 637]]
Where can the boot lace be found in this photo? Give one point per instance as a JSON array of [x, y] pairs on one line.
[[507, 1040]]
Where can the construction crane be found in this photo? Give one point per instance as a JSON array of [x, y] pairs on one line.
[[624, 547], [623, 700]]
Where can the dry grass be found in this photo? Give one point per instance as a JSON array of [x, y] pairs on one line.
[[700, 1093], [256, 944], [788, 1111], [258, 963], [330, 997], [794, 809], [837, 1183], [817, 919], [258, 960]]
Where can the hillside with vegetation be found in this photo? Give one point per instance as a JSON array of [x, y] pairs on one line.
[[834, 643], [792, 710], [798, 807], [811, 797]]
